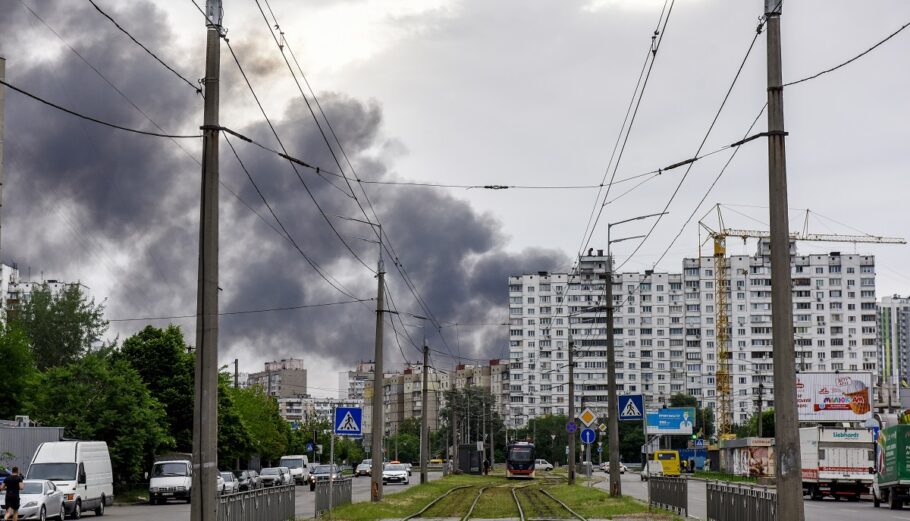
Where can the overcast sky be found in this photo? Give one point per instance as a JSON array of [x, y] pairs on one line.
[[529, 92]]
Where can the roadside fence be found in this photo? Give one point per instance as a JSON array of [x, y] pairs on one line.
[[264, 504], [669, 493], [740, 502], [340, 494]]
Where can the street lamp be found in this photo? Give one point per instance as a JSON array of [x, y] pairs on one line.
[[613, 405]]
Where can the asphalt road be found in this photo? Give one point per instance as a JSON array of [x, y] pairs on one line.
[[826, 510], [305, 502]]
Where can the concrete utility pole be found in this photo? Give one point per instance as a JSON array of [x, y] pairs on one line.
[[789, 479], [761, 391], [236, 374], [453, 415], [2, 114], [378, 423], [572, 435], [424, 433], [613, 406], [204, 505]]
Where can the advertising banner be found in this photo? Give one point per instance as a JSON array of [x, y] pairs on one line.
[[834, 397], [677, 420]]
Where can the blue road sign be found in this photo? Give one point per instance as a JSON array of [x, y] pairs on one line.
[[600, 449], [571, 427], [631, 407], [587, 436], [309, 447], [348, 421], [700, 443]]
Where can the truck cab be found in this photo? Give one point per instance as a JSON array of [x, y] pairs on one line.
[[299, 466]]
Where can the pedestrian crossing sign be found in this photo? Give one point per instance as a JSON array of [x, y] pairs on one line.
[[631, 407], [348, 421]]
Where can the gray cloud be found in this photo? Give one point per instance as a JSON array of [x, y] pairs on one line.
[[89, 203]]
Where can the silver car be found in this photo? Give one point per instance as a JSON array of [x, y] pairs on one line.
[[231, 484], [40, 499]]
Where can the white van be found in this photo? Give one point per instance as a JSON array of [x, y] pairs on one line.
[[170, 479], [299, 466], [79, 469]]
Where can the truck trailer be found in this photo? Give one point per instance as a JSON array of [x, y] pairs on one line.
[[837, 462], [892, 478]]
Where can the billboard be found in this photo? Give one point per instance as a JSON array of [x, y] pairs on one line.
[[834, 397], [677, 420]]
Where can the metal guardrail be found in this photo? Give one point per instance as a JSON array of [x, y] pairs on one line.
[[264, 504], [340, 494], [670, 494], [739, 502]]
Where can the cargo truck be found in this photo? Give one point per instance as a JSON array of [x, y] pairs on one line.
[[837, 462], [892, 479]]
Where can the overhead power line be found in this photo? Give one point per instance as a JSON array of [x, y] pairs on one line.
[[96, 120], [246, 312], [146, 49], [851, 60]]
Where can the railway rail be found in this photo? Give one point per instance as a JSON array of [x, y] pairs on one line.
[[538, 503]]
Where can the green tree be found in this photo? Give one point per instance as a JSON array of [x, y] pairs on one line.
[[235, 443], [269, 432], [750, 428], [99, 398], [163, 361], [16, 384], [410, 426], [403, 447], [60, 328]]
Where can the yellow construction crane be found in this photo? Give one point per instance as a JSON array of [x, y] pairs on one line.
[[723, 375]]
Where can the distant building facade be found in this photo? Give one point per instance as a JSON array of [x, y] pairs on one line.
[[286, 378]]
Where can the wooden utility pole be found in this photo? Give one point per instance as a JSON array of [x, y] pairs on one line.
[[424, 433], [205, 400], [789, 479], [572, 435], [378, 423]]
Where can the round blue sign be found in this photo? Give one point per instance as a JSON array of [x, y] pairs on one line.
[[587, 436], [571, 427]]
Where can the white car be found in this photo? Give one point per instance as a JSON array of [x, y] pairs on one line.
[[395, 473], [219, 487], [542, 464], [605, 466], [299, 467], [231, 485], [170, 479], [40, 499]]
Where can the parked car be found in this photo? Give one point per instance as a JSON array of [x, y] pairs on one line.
[[231, 485], [324, 473], [395, 473], [255, 480], [170, 479], [81, 470], [220, 484], [245, 480], [364, 469], [542, 464], [40, 499], [437, 461], [272, 477], [299, 467]]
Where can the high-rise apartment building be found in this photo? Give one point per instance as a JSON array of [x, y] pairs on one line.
[[493, 378], [284, 378], [351, 384], [403, 395], [665, 330], [894, 342]]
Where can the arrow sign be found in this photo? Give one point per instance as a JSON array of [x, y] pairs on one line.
[[348, 421], [571, 427], [587, 436], [600, 449], [631, 407]]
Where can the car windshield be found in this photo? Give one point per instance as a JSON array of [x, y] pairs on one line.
[[227, 476], [32, 488], [323, 469], [52, 471], [397, 466], [270, 472], [366, 462], [291, 463], [169, 469]]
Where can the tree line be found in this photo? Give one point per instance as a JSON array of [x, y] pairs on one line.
[[136, 395]]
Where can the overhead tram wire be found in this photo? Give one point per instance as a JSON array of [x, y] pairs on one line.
[[387, 245], [196, 88], [851, 60], [656, 40], [96, 120], [292, 163], [701, 145], [245, 312]]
